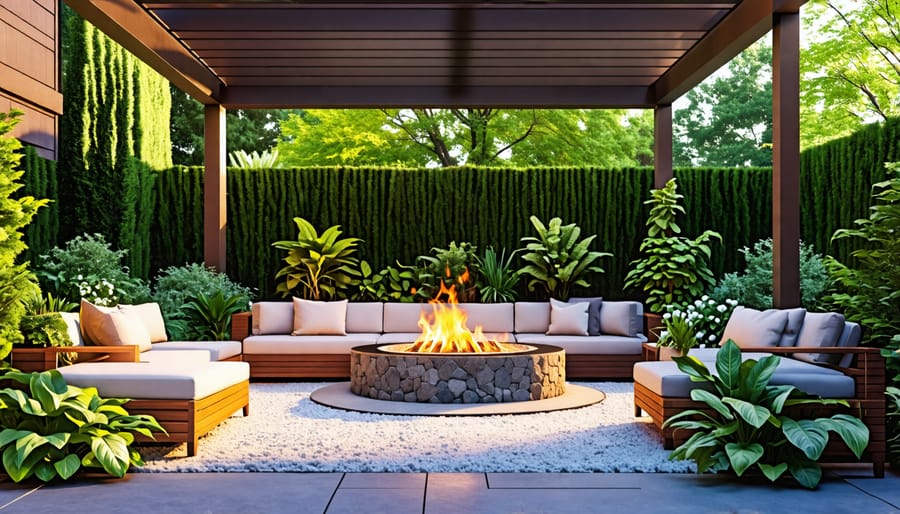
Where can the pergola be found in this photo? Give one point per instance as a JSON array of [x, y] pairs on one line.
[[517, 54]]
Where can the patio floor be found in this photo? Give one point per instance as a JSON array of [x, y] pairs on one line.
[[843, 490]]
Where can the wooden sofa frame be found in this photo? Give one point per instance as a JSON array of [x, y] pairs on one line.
[[322, 365], [184, 420], [868, 403]]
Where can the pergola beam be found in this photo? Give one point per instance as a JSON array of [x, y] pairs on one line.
[[662, 145], [133, 28], [214, 207], [786, 160]]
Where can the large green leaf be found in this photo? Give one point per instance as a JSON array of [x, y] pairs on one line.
[[67, 466], [112, 453], [806, 435], [9, 435], [743, 455], [772, 472], [728, 365], [713, 401], [755, 415], [806, 472], [852, 430]]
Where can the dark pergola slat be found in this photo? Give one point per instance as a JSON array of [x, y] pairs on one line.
[[566, 54]]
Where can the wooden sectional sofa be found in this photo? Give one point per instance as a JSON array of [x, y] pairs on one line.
[[272, 351]]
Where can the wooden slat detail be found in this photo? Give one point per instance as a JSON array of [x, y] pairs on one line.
[[437, 35], [417, 53], [11, 24], [32, 13], [474, 44], [442, 82], [401, 73], [446, 62]]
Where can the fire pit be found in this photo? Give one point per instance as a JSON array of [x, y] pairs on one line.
[[448, 363], [386, 372]]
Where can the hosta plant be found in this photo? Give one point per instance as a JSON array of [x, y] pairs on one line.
[[319, 267], [52, 429], [745, 425], [556, 260], [674, 268]]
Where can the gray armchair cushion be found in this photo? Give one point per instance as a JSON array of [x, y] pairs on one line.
[[792, 329], [620, 319], [753, 328]]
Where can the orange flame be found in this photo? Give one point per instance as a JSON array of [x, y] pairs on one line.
[[447, 332]]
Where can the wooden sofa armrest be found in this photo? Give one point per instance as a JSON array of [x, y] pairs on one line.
[[124, 353], [240, 326]]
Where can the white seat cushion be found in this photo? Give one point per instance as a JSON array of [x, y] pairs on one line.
[[142, 380], [295, 345], [181, 358], [410, 337], [217, 350]]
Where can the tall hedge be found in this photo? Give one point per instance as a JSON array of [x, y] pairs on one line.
[[40, 181], [114, 133]]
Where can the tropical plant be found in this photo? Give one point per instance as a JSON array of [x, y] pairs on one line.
[[88, 268], [45, 330], [893, 424], [16, 283], [869, 292], [497, 279], [674, 268], [753, 287], [208, 318], [556, 260], [38, 303], [266, 160], [745, 424], [54, 429], [450, 266], [390, 284], [318, 267], [678, 331], [175, 287]]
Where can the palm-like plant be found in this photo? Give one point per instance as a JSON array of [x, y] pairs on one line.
[[497, 279], [208, 318], [318, 267], [557, 260]]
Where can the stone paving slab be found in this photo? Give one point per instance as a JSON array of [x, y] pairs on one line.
[[377, 501], [384, 480]]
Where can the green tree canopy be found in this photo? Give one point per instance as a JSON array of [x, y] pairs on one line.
[[851, 68], [451, 137], [728, 119]]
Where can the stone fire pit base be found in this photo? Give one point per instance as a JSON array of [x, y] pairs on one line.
[[537, 374]]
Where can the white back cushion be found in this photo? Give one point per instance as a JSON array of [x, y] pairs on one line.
[[319, 318], [404, 317], [365, 317], [492, 317], [753, 328], [272, 318], [532, 317]]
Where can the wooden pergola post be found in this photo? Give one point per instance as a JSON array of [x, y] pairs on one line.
[[214, 208], [662, 145], [786, 160]]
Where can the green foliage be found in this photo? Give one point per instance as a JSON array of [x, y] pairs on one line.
[[497, 279], [678, 332], [728, 121], [479, 137], [268, 159], [208, 318], [318, 267], [16, 283], [868, 291], [56, 429], [745, 424], [392, 284], [849, 71], [175, 287], [708, 317], [453, 267], [39, 181], [892, 421], [116, 133], [674, 269], [88, 268], [556, 260], [753, 287], [45, 330]]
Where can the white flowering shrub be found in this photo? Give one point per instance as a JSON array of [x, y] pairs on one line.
[[706, 316], [98, 291]]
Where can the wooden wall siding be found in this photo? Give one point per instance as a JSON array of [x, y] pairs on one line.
[[29, 70]]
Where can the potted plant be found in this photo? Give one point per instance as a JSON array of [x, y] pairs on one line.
[[556, 260], [678, 335], [674, 268]]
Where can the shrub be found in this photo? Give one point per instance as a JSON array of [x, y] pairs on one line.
[[88, 268], [497, 278], [175, 287], [753, 287], [390, 284], [451, 266]]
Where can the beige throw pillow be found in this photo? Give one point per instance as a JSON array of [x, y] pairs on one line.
[[319, 318], [152, 318], [568, 318], [112, 327]]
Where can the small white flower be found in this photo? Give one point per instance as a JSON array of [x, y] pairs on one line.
[[667, 316], [700, 334], [698, 303], [721, 308], [712, 337], [718, 320], [664, 334], [704, 297], [711, 302]]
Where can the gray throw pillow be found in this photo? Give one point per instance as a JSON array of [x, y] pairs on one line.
[[593, 313], [618, 318], [820, 329], [792, 329], [750, 328]]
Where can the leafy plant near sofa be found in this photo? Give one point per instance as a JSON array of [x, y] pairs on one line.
[[208, 318], [452, 266], [674, 268], [16, 283], [746, 425], [556, 260], [679, 331], [177, 285], [388, 285], [54, 429], [753, 287], [868, 292], [319, 267], [893, 424], [497, 277]]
